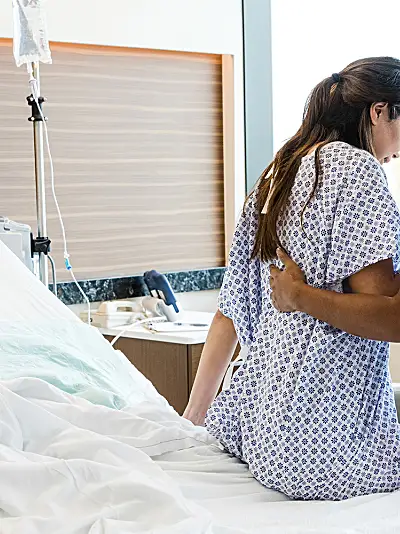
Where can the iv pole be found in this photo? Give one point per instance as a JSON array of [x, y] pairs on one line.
[[30, 46], [40, 245]]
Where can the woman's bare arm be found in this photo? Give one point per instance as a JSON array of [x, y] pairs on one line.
[[376, 279], [369, 316], [217, 354], [366, 315]]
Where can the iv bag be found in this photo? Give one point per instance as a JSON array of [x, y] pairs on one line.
[[30, 32]]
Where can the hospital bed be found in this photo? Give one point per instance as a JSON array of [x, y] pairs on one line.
[[87, 445]]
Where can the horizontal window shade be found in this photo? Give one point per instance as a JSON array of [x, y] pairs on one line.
[[136, 138]]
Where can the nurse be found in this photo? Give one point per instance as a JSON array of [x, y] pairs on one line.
[[311, 409]]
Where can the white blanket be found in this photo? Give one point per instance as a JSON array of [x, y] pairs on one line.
[[70, 467]]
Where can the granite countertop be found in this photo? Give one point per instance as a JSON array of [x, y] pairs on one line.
[[133, 286]]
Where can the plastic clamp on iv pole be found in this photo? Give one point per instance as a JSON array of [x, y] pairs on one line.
[[40, 245], [37, 115]]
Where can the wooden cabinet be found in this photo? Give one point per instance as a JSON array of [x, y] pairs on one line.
[[171, 367]]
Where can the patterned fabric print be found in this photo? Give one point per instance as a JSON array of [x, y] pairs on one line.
[[312, 409]]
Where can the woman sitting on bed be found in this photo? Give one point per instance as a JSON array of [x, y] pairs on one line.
[[311, 409]]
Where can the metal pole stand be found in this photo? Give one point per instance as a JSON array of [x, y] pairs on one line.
[[40, 245]]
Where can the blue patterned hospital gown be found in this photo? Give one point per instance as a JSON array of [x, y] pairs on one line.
[[311, 410]]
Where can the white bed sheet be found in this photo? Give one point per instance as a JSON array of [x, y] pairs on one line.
[[224, 487], [72, 467]]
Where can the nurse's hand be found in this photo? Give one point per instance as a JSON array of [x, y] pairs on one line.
[[286, 284]]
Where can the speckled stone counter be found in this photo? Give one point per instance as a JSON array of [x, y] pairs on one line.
[[133, 286]]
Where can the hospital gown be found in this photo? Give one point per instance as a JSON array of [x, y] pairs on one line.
[[311, 410]]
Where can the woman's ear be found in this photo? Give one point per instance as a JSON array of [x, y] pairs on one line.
[[377, 111]]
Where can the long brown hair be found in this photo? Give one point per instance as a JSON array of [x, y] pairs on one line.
[[338, 109]]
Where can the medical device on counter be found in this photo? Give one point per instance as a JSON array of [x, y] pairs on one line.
[[160, 313], [161, 304], [115, 313], [145, 312], [160, 289]]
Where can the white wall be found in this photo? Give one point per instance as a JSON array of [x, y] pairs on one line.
[[213, 26], [205, 26], [312, 39]]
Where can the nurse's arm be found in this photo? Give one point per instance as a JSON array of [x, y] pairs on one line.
[[366, 315]]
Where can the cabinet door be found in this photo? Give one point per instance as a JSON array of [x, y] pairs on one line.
[[164, 364]]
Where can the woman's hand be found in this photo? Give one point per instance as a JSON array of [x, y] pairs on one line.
[[363, 315], [286, 284], [194, 416]]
